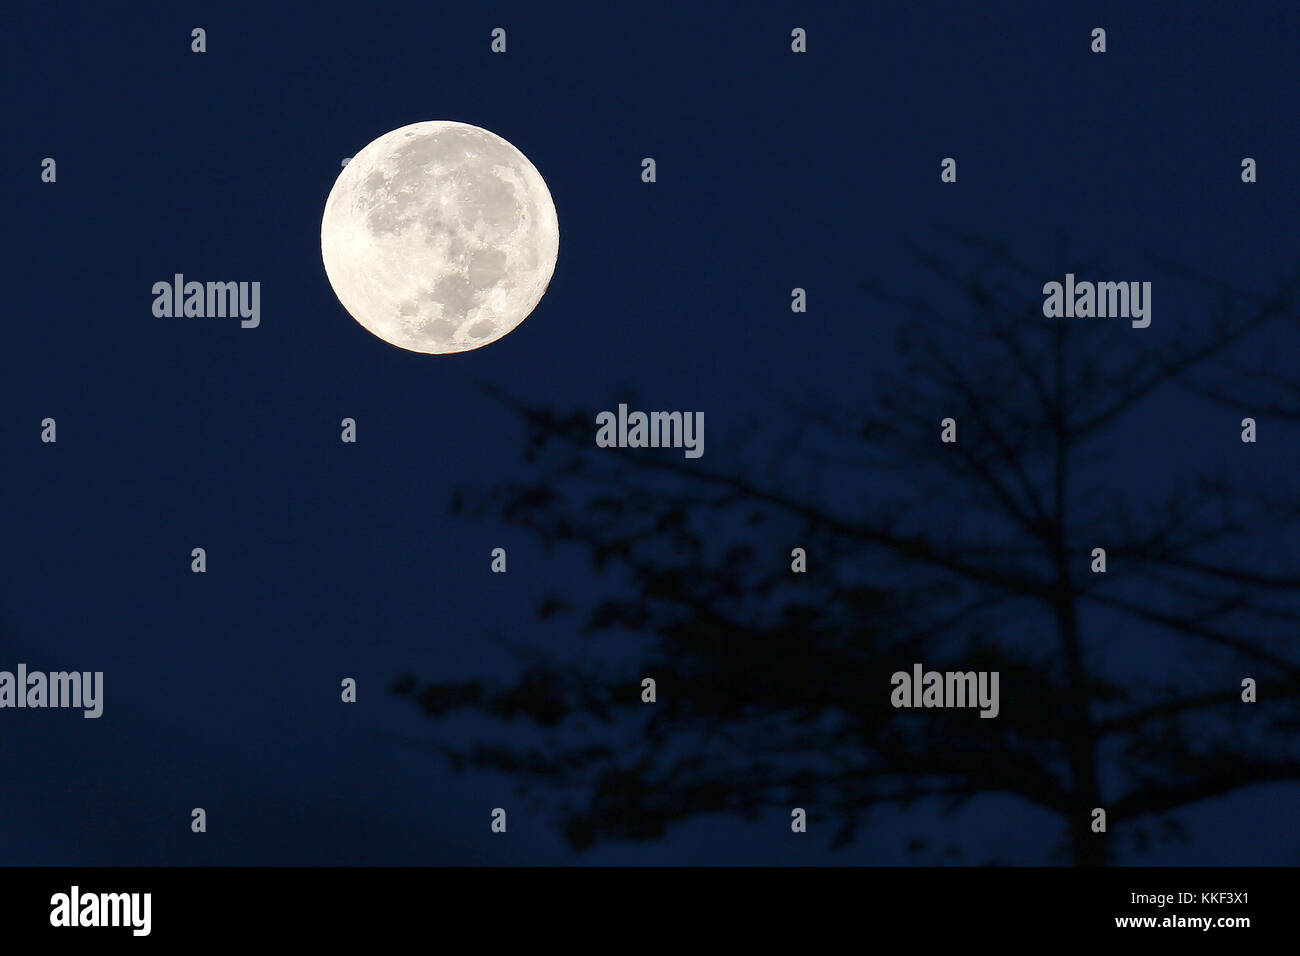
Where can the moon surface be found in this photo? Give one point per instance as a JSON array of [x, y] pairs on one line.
[[439, 237]]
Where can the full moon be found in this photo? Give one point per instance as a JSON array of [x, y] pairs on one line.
[[439, 237]]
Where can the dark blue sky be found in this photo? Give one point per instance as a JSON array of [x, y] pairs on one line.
[[326, 560]]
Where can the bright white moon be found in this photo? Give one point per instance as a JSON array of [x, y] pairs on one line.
[[439, 237]]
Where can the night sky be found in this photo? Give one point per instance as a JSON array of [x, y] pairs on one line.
[[326, 560]]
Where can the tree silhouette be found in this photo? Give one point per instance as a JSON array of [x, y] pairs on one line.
[[774, 687]]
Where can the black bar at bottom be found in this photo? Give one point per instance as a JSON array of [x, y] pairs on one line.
[[618, 906]]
